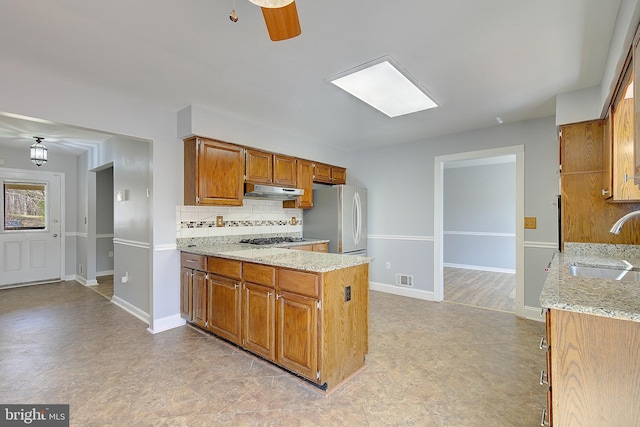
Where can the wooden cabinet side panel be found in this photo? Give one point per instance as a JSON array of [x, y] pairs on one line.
[[607, 159], [596, 374], [582, 147], [189, 164], [345, 324]]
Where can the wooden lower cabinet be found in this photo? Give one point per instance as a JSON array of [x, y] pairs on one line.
[[318, 247], [315, 325], [595, 363], [223, 307], [297, 331]]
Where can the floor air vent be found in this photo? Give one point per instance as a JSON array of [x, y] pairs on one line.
[[404, 280]]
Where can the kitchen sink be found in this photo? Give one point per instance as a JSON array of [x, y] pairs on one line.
[[605, 273]]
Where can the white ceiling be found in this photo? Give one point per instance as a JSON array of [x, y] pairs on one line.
[[481, 59]]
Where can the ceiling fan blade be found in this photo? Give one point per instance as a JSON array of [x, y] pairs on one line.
[[282, 22]]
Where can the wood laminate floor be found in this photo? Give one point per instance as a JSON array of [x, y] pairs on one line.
[[105, 286], [429, 364], [496, 291]]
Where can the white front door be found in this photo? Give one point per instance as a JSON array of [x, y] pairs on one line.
[[30, 237]]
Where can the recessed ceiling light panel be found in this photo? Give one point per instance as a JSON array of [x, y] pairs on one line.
[[383, 85]]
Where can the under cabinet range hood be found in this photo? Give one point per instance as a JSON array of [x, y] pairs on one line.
[[261, 191]]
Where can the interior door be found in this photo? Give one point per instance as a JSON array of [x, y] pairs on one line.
[[30, 238]]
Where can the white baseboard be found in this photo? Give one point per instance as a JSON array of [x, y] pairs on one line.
[[532, 313], [131, 309], [402, 291], [166, 323], [104, 273], [480, 268], [84, 282]]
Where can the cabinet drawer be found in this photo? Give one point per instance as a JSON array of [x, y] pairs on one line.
[[224, 267], [193, 261], [259, 274], [299, 282]]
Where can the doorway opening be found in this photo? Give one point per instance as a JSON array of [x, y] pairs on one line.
[[480, 265]]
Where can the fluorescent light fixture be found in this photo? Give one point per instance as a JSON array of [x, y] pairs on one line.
[[383, 86]]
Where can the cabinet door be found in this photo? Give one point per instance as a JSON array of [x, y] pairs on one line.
[[186, 294], [338, 175], [284, 170], [259, 320], [607, 153], [200, 298], [624, 187], [322, 173], [297, 326], [258, 167], [220, 173], [321, 247], [304, 180], [223, 307]]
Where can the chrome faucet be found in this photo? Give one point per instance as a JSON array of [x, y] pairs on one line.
[[619, 223]]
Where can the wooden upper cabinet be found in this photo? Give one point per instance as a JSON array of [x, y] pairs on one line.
[[213, 172], [581, 147], [284, 170], [636, 69], [607, 157], [304, 180], [623, 122], [268, 168], [327, 174], [258, 167]]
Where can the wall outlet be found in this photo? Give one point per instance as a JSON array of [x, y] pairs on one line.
[[530, 222], [388, 265], [125, 278], [347, 293], [294, 220], [110, 254], [219, 221], [80, 268]]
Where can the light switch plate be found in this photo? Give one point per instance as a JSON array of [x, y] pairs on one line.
[[530, 222]]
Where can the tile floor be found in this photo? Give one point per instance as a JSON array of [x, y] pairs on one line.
[[430, 364]]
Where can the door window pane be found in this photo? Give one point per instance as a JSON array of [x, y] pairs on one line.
[[24, 206]]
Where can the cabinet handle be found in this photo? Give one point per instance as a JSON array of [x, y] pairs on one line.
[[543, 420], [543, 378], [268, 294], [277, 297], [543, 344], [605, 192], [236, 286]]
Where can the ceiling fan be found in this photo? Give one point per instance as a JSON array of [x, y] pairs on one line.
[[281, 17]]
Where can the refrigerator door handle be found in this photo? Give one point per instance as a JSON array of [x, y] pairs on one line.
[[357, 218]]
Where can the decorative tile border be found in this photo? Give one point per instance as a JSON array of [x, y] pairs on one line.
[[256, 223]]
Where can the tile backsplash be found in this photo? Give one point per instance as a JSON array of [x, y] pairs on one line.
[[256, 217]]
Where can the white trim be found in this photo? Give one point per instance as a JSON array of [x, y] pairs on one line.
[[402, 291], [398, 237], [532, 313], [165, 247], [438, 213], [104, 273], [83, 235], [132, 243], [131, 309], [479, 268], [541, 245], [73, 234], [84, 282], [479, 233], [166, 323], [104, 236]]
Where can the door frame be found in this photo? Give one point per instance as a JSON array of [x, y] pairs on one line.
[[47, 175], [438, 204]]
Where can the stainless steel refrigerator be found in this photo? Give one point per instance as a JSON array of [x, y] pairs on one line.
[[339, 214]]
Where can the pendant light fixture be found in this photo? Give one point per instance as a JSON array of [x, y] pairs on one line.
[[38, 152]]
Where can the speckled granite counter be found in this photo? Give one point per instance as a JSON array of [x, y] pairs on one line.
[[318, 262], [601, 297]]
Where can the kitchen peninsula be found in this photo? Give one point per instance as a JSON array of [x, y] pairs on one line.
[[304, 311], [593, 336]]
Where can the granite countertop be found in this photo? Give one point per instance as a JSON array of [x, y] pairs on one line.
[[278, 256], [601, 297]]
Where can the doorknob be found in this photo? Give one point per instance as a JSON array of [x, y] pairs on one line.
[[55, 235]]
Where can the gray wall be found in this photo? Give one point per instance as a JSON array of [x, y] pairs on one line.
[[104, 221], [479, 215], [400, 182]]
